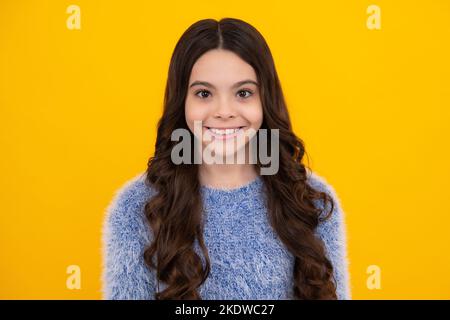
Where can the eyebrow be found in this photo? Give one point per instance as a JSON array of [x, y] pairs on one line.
[[209, 85]]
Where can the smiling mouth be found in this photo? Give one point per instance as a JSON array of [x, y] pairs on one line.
[[225, 133]]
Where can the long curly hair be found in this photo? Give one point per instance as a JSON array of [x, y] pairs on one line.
[[175, 215]]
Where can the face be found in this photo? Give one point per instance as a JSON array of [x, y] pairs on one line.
[[223, 93]]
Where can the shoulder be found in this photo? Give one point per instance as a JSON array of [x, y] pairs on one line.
[[125, 212], [333, 229], [321, 184]]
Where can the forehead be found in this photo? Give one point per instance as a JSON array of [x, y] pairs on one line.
[[221, 68]]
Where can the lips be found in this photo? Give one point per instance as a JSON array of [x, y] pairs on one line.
[[224, 133]]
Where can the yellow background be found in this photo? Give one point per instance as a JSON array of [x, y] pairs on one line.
[[79, 110]]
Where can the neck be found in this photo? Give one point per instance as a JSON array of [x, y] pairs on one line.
[[227, 175]]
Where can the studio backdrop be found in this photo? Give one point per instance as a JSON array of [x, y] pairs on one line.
[[367, 85]]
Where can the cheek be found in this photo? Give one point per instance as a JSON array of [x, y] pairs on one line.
[[194, 111], [254, 115]]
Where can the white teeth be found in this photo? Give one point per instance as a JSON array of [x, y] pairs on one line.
[[224, 131]]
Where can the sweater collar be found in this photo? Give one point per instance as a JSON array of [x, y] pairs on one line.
[[249, 187]]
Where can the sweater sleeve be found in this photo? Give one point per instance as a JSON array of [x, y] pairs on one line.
[[125, 236], [333, 234]]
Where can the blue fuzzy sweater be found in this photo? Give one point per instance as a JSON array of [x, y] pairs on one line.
[[248, 261]]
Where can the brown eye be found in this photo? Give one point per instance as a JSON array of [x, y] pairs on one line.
[[245, 96], [202, 94]]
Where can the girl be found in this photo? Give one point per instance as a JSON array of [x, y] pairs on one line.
[[220, 230]]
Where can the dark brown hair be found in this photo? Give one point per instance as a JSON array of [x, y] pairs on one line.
[[174, 213]]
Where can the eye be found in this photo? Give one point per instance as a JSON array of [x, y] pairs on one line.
[[245, 91], [202, 92]]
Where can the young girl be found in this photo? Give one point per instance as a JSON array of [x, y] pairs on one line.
[[212, 230]]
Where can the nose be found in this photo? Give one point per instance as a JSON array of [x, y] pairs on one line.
[[224, 110]]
